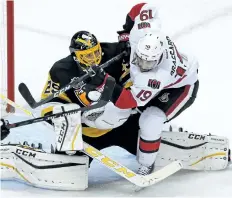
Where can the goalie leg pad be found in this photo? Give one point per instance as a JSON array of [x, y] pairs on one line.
[[44, 170], [195, 151], [68, 128]]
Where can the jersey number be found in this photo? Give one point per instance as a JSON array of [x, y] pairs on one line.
[[144, 95], [145, 14], [51, 87]]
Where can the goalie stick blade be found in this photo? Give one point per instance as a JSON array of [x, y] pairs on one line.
[[24, 91]]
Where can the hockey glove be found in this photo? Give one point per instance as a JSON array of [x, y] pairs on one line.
[[4, 130], [96, 79], [123, 36], [123, 39]]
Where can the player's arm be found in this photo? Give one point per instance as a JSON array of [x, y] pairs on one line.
[[145, 87], [130, 18]]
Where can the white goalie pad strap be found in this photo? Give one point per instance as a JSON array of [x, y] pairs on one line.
[[51, 171], [195, 151]]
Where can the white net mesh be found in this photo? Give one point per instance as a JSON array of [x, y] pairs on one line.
[[3, 55]]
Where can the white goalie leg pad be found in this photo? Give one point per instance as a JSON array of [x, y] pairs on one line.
[[68, 129], [195, 151], [40, 169]]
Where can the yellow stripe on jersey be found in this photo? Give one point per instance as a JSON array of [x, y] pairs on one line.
[[93, 132], [128, 84], [46, 110]]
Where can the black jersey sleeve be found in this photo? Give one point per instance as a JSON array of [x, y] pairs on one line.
[[58, 77], [119, 68]]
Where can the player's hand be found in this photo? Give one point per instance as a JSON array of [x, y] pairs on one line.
[[123, 36], [98, 76], [4, 130], [123, 39]]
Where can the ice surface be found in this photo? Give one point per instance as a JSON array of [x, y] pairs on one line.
[[210, 40]]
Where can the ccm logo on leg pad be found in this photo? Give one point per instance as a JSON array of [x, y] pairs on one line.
[[196, 137]]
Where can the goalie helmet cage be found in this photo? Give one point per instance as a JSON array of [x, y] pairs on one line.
[[7, 54]]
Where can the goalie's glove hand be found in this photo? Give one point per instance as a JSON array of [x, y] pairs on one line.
[[4, 130], [96, 79]]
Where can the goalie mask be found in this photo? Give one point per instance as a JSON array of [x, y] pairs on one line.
[[86, 49], [149, 51]]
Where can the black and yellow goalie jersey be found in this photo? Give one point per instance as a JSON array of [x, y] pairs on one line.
[[67, 69]]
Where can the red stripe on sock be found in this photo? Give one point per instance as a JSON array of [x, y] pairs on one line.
[[149, 146]]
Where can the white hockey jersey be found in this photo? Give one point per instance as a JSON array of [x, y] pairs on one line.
[[175, 70], [145, 20]]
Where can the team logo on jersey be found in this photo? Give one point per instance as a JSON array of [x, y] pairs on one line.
[[79, 85], [164, 97], [155, 84], [125, 72]]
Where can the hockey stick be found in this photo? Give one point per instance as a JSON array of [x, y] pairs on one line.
[[25, 92], [53, 116], [13, 104], [106, 95], [138, 180]]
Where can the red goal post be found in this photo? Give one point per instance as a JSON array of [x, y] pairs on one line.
[[7, 54]]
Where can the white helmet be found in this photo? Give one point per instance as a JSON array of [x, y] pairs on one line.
[[149, 51]]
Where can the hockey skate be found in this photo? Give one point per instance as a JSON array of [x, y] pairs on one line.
[[145, 170]]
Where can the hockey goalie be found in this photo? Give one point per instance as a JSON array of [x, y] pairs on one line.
[[154, 83]]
